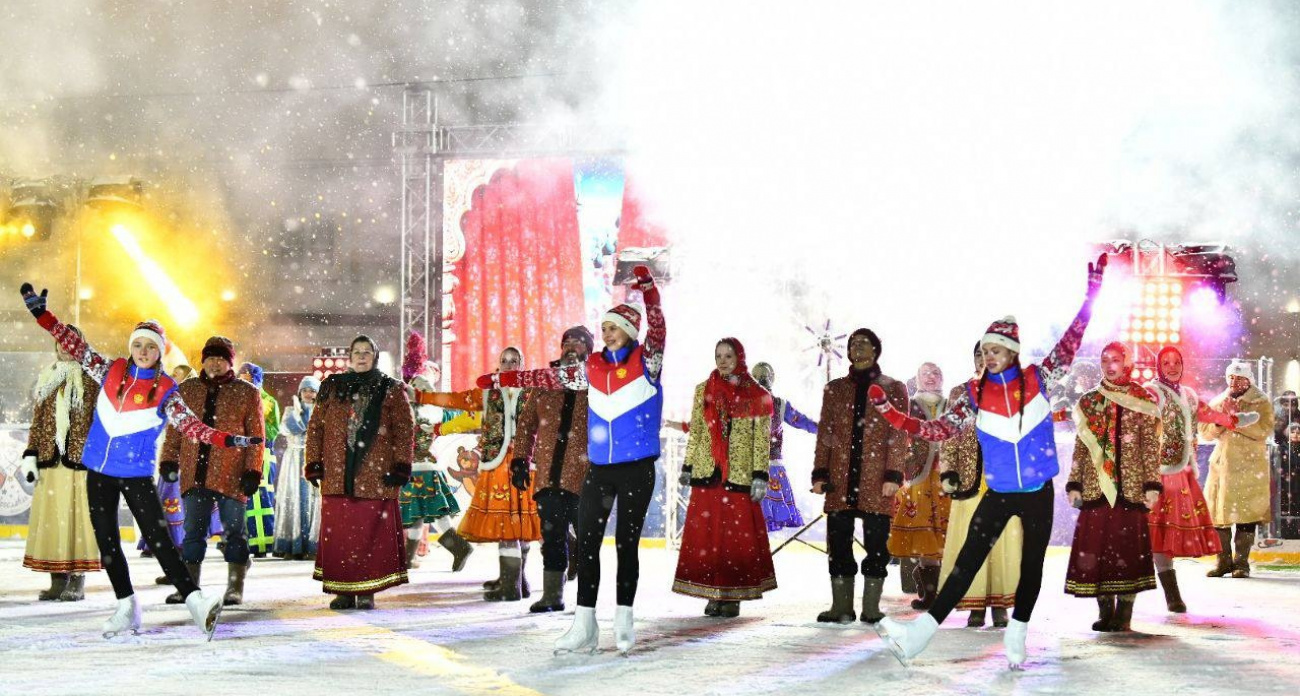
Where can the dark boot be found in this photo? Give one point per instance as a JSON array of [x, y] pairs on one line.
[[524, 590], [459, 548], [999, 617], [235, 573], [1123, 612], [907, 575], [1224, 566], [1173, 600], [841, 610], [58, 581], [343, 601], [711, 608], [75, 591], [162, 580], [728, 610], [412, 545], [365, 602], [1242, 543], [573, 556], [195, 570], [927, 586], [871, 590], [976, 619], [508, 590], [1105, 613], [552, 593]]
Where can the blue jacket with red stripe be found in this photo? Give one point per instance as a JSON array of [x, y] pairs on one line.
[[123, 439], [625, 403]]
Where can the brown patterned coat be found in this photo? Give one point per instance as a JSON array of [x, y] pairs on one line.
[[537, 438], [392, 450], [230, 405], [41, 438], [856, 486], [960, 461]]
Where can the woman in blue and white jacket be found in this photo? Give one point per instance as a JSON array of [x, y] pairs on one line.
[[136, 401]]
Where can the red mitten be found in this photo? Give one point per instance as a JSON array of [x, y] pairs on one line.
[[437, 429], [896, 418], [877, 395], [644, 281], [487, 382]]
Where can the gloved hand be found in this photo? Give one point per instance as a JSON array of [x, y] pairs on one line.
[[896, 418], [249, 481], [492, 381], [519, 476], [949, 481], [171, 471], [35, 303], [1076, 499], [1095, 274], [684, 479], [1244, 419], [644, 281], [240, 441], [422, 383], [757, 489], [29, 470], [398, 476], [314, 472]]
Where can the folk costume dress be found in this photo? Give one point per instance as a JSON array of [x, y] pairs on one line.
[[429, 496], [779, 508], [1180, 523], [360, 434], [60, 538], [498, 511], [260, 517], [920, 519], [1115, 464], [297, 502], [725, 554]]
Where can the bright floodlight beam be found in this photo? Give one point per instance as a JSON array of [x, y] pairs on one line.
[[180, 306]]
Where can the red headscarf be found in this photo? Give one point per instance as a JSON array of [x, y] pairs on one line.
[[725, 400]]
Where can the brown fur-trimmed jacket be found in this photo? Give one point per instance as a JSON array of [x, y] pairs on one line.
[[41, 437], [228, 404], [537, 438], [393, 448], [856, 486], [1139, 456]]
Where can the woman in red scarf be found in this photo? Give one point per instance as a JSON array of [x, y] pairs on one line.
[[725, 556]]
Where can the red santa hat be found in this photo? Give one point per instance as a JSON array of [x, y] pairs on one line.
[[627, 317], [1004, 332], [152, 330]]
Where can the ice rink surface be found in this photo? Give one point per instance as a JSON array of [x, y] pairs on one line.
[[436, 636]]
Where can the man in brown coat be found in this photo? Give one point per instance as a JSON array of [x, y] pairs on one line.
[[552, 441], [210, 476], [858, 466]]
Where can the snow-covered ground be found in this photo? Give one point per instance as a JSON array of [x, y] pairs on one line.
[[436, 636]]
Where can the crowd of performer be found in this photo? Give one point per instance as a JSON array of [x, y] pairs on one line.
[[955, 488]]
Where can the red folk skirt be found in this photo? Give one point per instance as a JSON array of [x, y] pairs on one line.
[[361, 548], [1111, 552], [1180, 523], [725, 554]]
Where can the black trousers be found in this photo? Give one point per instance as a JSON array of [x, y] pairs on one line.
[[630, 487], [839, 543], [104, 493], [558, 510], [991, 516]]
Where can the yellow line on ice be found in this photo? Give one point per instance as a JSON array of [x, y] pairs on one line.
[[413, 654]]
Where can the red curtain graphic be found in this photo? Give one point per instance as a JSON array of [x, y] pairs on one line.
[[636, 228], [521, 277]]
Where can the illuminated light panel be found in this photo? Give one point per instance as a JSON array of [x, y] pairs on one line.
[[180, 306], [1175, 338]]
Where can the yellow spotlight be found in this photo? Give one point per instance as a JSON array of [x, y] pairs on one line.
[[1150, 337], [1160, 337], [180, 306], [227, 295], [87, 293], [1150, 324], [1175, 338], [1162, 325], [29, 230]]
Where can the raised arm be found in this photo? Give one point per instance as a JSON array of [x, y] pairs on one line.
[[468, 400], [795, 419], [657, 332], [95, 364], [1056, 365], [550, 378], [293, 422]]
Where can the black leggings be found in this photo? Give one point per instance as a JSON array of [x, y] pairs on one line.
[[991, 516], [839, 544], [630, 486], [104, 494], [558, 510]]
